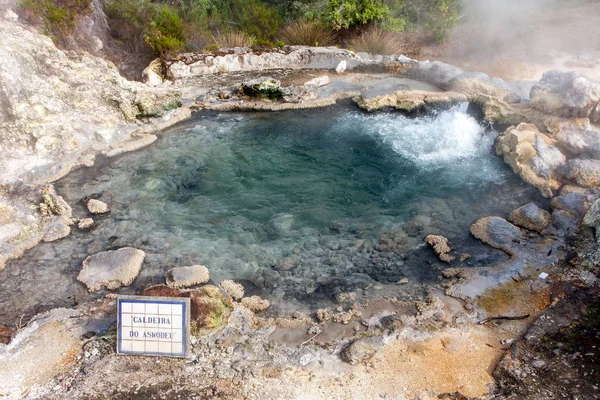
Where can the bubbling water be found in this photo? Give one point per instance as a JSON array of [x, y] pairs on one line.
[[298, 205]]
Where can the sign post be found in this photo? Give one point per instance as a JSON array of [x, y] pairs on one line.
[[153, 326]]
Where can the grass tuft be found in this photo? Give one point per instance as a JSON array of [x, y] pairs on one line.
[[307, 33], [376, 41], [233, 39]]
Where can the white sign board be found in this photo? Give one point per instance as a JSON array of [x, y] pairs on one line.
[[153, 326]]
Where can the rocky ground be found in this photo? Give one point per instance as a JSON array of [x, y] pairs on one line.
[[60, 109]]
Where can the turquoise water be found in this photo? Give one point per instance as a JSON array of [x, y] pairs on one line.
[[239, 192]]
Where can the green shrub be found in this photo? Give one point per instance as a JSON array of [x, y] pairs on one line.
[[436, 17], [308, 33], [352, 14], [166, 31], [57, 17], [375, 41], [256, 19], [129, 20]]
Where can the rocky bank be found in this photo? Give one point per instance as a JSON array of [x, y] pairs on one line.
[[60, 110]]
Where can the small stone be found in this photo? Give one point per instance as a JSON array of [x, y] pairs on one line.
[[97, 207], [324, 315], [233, 289], [319, 81], [440, 247], [362, 349], [288, 263], [341, 67], [85, 223], [111, 269], [187, 276], [255, 303], [403, 281]]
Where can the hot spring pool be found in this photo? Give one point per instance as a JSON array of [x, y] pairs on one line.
[[297, 205]]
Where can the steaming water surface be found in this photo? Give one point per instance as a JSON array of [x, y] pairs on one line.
[[344, 197]]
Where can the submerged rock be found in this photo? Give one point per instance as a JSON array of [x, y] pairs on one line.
[[362, 349], [255, 303], [58, 229], [262, 88], [111, 269], [531, 217], [532, 156], [97, 207], [575, 203], [179, 277]]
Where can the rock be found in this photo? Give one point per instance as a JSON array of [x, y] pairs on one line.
[[179, 277], [324, 315], [10, 15], [564, 220], [85, 223], [532, 155], [97, 207], [232, 289], [255, 303], [454, 273], [585, 173], [341, 67], [440, 247], [410, 100], [262, 88], [574, 203], [471, 83], [153, 73], [58, 229], [567, 94], [288, 263], [436, 73], [6, 334], [362, 349], [497, 232], [531, 217], [111, 269], [580, 138], [319, 81]]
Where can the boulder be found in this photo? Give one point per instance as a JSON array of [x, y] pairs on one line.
[[262, 88], [585, 173], [531, 217], [581, 138], [497, 232], [179, 277], [97, 207], [111, 269], [567, 94], [575, 203], [362, 349], [153, 74], [472, 83], [532, 155]]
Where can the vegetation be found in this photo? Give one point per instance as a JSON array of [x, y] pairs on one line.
[[57, 17], [375, 41], [352, 14], [308, 33], [234, 39]]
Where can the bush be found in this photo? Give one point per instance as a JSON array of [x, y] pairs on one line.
[[56, 16], [436, 17], [352, 14], [308, 33], [129, 20], [256, 19], [375, 41], [234, 39], [166, 31]]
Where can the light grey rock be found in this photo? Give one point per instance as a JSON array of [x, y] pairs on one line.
[[530, 216], [152, 75], [58, 229], [10, 15], [567, 94], [180, 277], [85, 223], [255, 303], [318, 81], [233, 289], [341, 67], [497, 232], [579, 139], [111, 269], [362, 349], [97, 207], [574, 203]]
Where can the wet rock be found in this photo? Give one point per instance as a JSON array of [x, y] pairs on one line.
[[564, 220], [567, 94], [318, 81], [531, 217], [111, 269], [262, 88], [58, 229], [255, 303], [232, 289], [585, 173], [362, 349], [440, 247], [97, 207], [532, 155], [179, 277], [410, 100], [575, 203], [285, 264], [85, 223], [497, 232]]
